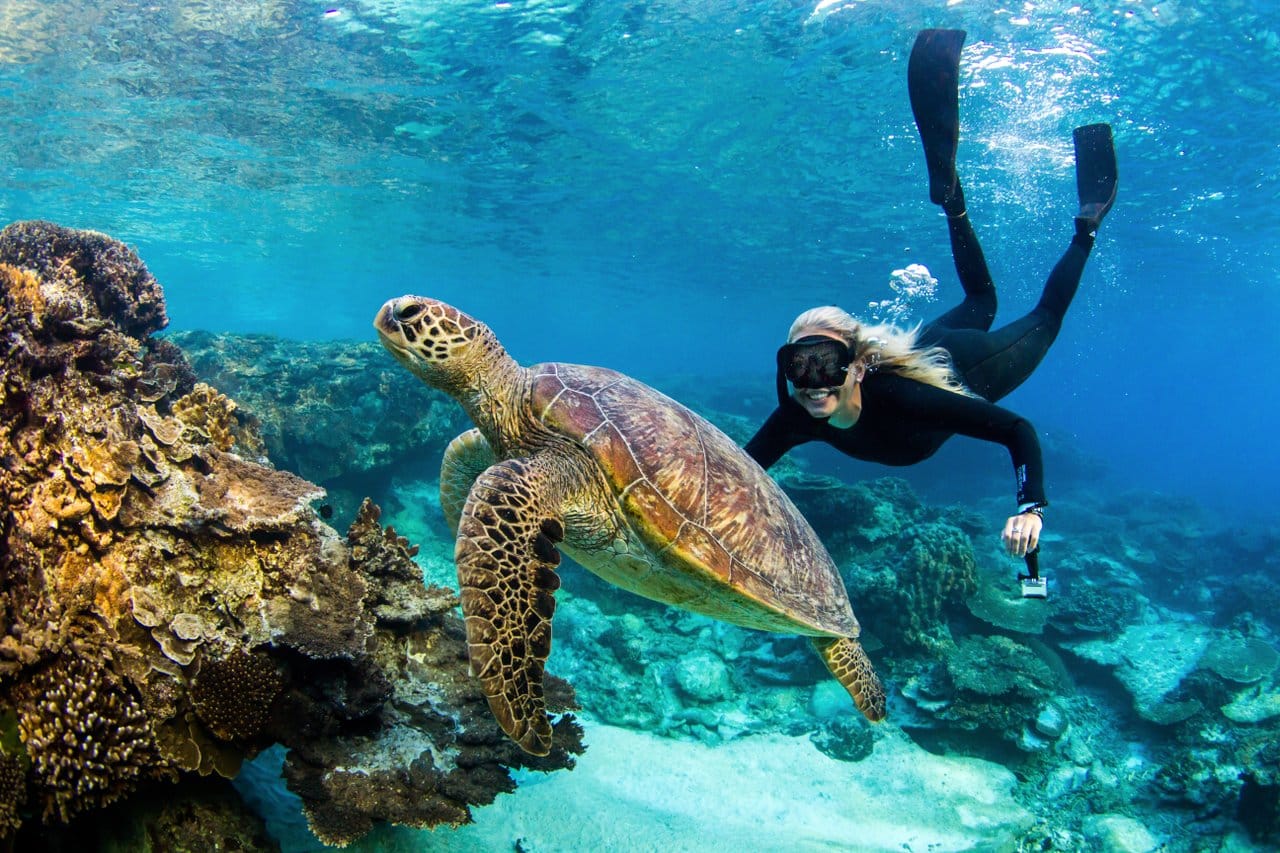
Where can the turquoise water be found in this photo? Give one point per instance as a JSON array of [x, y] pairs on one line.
[[661, 186], [664, 185]]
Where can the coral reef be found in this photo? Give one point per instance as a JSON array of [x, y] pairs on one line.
[[170, 604], [915, 585], [203, 814], [907, 570], [233, 694], [1242, 659], [89, 741], [1151, 661]]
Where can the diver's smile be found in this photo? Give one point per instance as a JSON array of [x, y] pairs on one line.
[[817, 394]]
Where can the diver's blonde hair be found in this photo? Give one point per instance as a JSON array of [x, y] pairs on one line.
[[884, 346]]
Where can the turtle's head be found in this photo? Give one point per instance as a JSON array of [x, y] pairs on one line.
[[442, 346]]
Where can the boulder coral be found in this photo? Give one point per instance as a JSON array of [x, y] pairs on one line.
[[170, 604], [913, 584]]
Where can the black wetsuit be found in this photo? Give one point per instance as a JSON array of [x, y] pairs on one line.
[[904, 421]]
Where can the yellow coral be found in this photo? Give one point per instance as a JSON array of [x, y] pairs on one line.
[[58, 500], [110, 591], [209, 413], [167, 431], [23, 288], [88, 739], [104, 462]]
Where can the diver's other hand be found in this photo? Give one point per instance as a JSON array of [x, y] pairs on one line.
[[1022, 533]]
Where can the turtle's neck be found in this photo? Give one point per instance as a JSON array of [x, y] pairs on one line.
[[498, 403]]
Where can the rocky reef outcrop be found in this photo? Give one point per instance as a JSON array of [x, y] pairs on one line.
[[171, 604]]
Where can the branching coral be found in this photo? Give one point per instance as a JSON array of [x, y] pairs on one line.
[[88, 738], [397, 594]]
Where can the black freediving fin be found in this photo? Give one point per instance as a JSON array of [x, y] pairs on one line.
[[933, 82], [1096, 176]]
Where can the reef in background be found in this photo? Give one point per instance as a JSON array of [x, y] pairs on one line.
[[171, 605], [337, 413], [1140, 701]]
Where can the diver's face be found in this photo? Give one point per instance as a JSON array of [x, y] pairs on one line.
[[825, 401]]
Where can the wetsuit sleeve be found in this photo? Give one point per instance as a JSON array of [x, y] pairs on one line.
[[772, 440], [976, 418]]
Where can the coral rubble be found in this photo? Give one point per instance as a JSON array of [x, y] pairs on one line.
[[170, 604]]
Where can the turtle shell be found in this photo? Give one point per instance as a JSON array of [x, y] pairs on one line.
[[701, 505]]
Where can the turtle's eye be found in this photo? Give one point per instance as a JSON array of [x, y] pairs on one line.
[[406, 313]]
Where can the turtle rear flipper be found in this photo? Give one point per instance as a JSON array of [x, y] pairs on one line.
[[849, 663], [506, 556]]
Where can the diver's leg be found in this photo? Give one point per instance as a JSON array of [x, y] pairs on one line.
[[933, 74], [978, 309], [995, 363]]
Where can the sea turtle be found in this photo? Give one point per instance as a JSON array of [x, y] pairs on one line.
[[626, 481]]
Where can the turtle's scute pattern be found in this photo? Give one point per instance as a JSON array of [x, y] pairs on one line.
[[680, 483]]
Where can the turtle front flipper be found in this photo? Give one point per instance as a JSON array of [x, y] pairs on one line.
[[506, 558], [849, 663], [465, 459]]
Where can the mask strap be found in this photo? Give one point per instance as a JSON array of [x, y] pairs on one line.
[[783, 396]]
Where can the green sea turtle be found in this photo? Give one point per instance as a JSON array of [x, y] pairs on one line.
[[628, 482]]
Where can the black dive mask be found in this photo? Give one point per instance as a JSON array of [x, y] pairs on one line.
[[815, 361]]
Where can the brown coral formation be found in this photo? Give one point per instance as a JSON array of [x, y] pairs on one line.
[[13, 775], [234, 695], [913, 583], [170, 605]]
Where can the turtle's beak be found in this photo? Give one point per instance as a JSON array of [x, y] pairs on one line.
[[390, 319]]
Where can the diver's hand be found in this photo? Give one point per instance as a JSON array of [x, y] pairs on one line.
[[1022, 533]]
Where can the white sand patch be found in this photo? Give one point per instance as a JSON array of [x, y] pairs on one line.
[[632, 791]]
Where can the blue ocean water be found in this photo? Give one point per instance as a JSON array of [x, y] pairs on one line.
[[660, 187]]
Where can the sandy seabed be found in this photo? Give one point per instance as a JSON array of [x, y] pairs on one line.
[[634, 791]]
